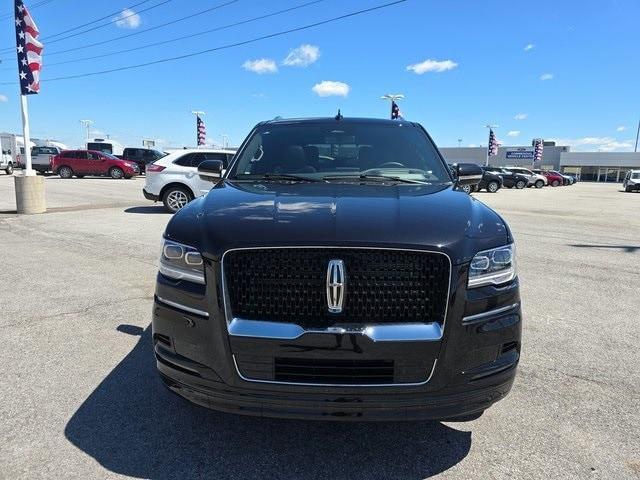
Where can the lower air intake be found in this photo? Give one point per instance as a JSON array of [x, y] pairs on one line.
[[337, 372]]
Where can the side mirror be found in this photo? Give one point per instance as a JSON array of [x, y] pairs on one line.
[[468, 174], [210, 170]]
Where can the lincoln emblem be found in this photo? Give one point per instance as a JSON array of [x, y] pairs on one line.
[[336, 285]]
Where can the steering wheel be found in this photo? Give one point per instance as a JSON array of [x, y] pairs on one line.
[[391, 164]]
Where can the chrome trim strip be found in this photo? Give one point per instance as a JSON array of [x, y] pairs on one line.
[[403, 332], [479, 317], [183, 307], [227, 307], [254, 380], [178, 274]]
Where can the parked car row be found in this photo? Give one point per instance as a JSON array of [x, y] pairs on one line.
[[494, 178]]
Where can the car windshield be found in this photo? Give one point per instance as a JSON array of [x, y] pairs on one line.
[[108, 155], [340, 152]]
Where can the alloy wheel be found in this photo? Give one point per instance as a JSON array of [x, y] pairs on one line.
[[116, 173], [177, 199]]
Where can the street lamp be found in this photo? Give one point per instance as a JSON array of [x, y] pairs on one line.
[[87, 124]]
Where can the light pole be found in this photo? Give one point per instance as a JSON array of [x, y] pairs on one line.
[[637, 135], [490, 127], [87, 124], [392, 97]]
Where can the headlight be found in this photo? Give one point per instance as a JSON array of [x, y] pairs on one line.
[[493, 267], [181, 262]]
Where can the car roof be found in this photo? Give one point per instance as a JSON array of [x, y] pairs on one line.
[[171, 157], [318, 120]]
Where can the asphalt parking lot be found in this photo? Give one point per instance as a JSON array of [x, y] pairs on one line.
[[80, 398]]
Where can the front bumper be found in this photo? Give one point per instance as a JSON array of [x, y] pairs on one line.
[[475, 361], [324, 405]]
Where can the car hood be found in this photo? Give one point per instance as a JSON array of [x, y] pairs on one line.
[[433, 217]]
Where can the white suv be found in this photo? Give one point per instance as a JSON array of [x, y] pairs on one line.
[[631, 181], [174, 179]]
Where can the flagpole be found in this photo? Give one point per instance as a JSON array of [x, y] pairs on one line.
[[27, 170]]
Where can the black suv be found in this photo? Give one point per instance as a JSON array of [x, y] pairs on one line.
[[335, 272], [141, 156]]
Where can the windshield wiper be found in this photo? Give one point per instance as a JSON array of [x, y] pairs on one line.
[[375, 177], [275, 177]]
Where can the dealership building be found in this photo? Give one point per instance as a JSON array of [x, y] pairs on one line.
[[587, 166]]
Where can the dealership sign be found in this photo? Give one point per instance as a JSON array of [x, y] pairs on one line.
[[520, 154]]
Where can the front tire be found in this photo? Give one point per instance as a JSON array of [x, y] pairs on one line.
[[493, 187], [9, 169], [539, 184], [175, 198], [520, 184], [116, 173], [466, 189], [65, 172], [555, 183]]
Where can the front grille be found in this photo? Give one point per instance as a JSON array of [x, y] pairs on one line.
[[337, 372], [382, 286]]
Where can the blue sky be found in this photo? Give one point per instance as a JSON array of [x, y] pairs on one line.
[[469, 61]]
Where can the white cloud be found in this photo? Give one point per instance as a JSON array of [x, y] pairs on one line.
[[513, 133], [529, 46], [521, 116], [3, 98], [302, 56], [432, 66], [260, 66], [472, 145], [328, 88], [128, 19], [621, 128], [590, 144], [546, 76]]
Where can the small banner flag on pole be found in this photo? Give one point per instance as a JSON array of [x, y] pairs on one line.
[[202, 130], [492, 149], [395, 111], [29, 50], [537, 150]]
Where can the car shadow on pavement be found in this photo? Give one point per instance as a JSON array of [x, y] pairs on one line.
[[148, 209], [132, 425], [626, 248]]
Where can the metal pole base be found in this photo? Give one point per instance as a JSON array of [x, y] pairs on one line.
[[30, 194]]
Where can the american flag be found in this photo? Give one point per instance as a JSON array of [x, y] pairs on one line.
[[395, 111], [202, 130], [537, 150], [29, 51], [492, 150]]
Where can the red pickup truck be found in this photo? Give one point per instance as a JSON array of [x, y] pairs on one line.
[[91, 162]]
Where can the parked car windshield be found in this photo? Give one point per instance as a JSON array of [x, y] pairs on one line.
[[340, 152]]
